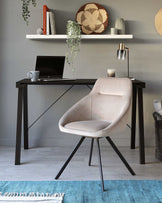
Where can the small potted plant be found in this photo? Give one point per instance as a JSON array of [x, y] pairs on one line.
[[73, 32], [25, 9]]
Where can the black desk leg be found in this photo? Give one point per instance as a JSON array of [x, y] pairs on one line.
[[133, 124], [141, 126], [19, 125], [25, 116]]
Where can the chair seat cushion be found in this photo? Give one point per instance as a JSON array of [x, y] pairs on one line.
[[89, 125]]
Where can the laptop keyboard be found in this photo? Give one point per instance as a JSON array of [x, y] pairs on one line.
[[53, 79]]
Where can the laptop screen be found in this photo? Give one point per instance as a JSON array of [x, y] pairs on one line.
[[50, 66]]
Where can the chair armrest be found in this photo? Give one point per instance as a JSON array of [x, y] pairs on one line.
[[79, 111]]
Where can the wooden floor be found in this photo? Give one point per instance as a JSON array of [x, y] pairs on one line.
[[44, 163]]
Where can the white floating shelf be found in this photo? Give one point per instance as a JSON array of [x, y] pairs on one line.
[[46, 37]]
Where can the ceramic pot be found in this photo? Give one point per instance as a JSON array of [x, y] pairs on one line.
[[120, 25]]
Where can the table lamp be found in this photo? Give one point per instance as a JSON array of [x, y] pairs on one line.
[[123, 53]]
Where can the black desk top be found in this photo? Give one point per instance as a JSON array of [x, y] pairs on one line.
[[25, 82]]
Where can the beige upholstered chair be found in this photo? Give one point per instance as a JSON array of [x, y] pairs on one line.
[[97, 115]]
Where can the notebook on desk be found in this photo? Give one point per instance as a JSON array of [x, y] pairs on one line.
[[50, 67]]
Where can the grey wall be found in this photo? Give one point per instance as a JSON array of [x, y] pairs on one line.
[[18, 57]]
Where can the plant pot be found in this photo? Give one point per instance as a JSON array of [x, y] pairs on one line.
[[120, 25]]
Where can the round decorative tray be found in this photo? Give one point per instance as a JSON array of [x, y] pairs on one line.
[[158, 21], [93, 18]]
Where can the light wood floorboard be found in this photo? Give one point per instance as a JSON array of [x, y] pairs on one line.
[[43, 163]]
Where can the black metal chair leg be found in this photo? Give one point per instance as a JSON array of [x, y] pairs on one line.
[[100, 162], [120, 155], [69, 158], [91, 150]]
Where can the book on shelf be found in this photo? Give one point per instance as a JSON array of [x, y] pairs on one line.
[[48, 23], [52, 22], [45, 9]]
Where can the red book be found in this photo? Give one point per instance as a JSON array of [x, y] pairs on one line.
[[45, 9]]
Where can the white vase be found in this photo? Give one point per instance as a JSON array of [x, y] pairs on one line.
[[120, 25]]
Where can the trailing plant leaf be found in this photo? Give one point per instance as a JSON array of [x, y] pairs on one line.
[[73, 41], [25, 9]]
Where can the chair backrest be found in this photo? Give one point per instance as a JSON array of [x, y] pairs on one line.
[[110, 97]]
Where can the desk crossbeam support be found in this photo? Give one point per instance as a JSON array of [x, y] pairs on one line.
[[51, 106]]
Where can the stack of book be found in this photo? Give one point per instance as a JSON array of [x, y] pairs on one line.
[[48, 21]]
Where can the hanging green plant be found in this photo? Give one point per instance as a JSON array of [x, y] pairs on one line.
[[73, 32], [25, 9]]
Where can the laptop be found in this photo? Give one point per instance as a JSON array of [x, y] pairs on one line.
[[50, 67]]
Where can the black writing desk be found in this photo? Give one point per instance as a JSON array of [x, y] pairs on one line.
[[22, 111]]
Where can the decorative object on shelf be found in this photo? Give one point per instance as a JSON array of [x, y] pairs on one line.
[[73, 41], [113, 31], [158, 21], [52, 23], [93, 18], [123, 53], [48, 21], [45, 10], [40, 31], [120, 25], [25, 9]]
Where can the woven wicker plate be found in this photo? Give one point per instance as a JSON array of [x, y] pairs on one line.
[[158, 21], [93, 18]]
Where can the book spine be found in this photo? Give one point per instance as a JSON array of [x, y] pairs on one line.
[[52, 23], [47, 23], [45, 9]]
